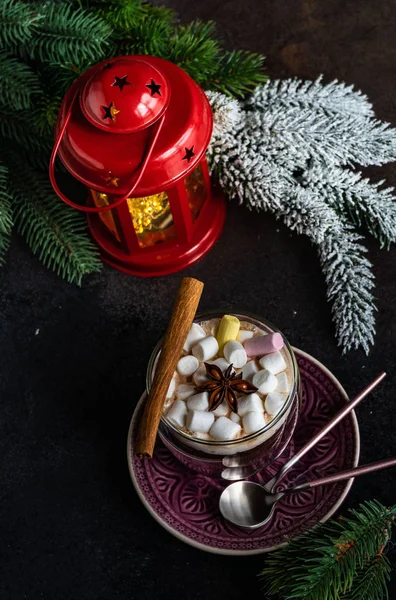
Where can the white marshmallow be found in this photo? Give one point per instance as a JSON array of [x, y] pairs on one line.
[[206, 348], [221, 410], [171, 388], [196, 333], [187, 365], [177, 413], [198, 401], [199, 420], [283, 384], [251, 403], [200, 376], [235, 353], [235, 417], [184, 391], [221, 363], [244, 334], [274, 402], [265, 381], [253, 421], [274, 362], [224, 429], [249, 370]]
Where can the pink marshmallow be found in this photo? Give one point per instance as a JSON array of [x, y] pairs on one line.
[[263, 344]]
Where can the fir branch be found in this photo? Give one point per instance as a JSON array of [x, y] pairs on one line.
[[330, 98], [56, 233], [65, 34], [194, 49], [370, 581], [361, 201], [349, 282], [303, 134], [237, 73], [18, 23], [334, 559], [122, 15], [18, 83], [150, 35], [22, 130], [6, 218]]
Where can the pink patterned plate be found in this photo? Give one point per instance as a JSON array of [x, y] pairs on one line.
[[186, 503]]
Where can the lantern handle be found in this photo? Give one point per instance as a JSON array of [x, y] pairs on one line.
[[137, 174]]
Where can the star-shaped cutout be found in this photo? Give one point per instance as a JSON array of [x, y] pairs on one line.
[[111, 179], [108, 66], [120, 82], [189, 154], [154, 88], [110, 111]]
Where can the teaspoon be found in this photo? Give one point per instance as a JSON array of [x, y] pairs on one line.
[[250, 505]]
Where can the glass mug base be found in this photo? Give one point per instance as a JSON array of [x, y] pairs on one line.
[[240, 458]]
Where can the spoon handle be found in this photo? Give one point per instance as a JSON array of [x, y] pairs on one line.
[[362, 470], [349, 406]]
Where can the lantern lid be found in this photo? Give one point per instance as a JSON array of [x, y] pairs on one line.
[[106, 153], [124, 96]]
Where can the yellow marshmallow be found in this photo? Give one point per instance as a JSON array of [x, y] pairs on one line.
[[228, 330]]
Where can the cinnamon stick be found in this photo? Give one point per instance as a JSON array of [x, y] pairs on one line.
[[183, 314]]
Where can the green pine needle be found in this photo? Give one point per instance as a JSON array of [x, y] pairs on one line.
[[193, 49], [55, 232], [331, 561], [18, 22], [66, 34], [238, 72], [150, 35], [18, 83]]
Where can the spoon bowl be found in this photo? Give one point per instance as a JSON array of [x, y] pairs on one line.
[[247, 504]]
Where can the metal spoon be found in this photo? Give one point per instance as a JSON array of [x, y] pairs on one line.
[[270, 486], [249, 505], [241, 472]]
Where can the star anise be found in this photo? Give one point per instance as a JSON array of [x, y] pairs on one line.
[[224, 386]]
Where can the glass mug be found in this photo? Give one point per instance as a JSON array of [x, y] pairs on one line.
[[242, 457]]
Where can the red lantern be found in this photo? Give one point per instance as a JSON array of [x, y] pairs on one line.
[[135, 129]]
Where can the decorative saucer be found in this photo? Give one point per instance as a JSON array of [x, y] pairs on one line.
[[186, 503]]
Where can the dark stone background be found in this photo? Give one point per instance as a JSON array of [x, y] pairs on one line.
[[73, 360]]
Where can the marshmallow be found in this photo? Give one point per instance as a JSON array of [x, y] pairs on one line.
[[228, 330], [221, 410], [177, 413], [283, 384], [253, 421], [206, 348], [274, 402], [264, 344], [275, 363], [221, 363], [199, 420], [251, 403], [200, 376], [171, 388], [265, 381], [187, 365], [249, 370], [235, 353], [198, 401], [235, 417], [184, 391], [195, 334], [224, 429], [244, 334]]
